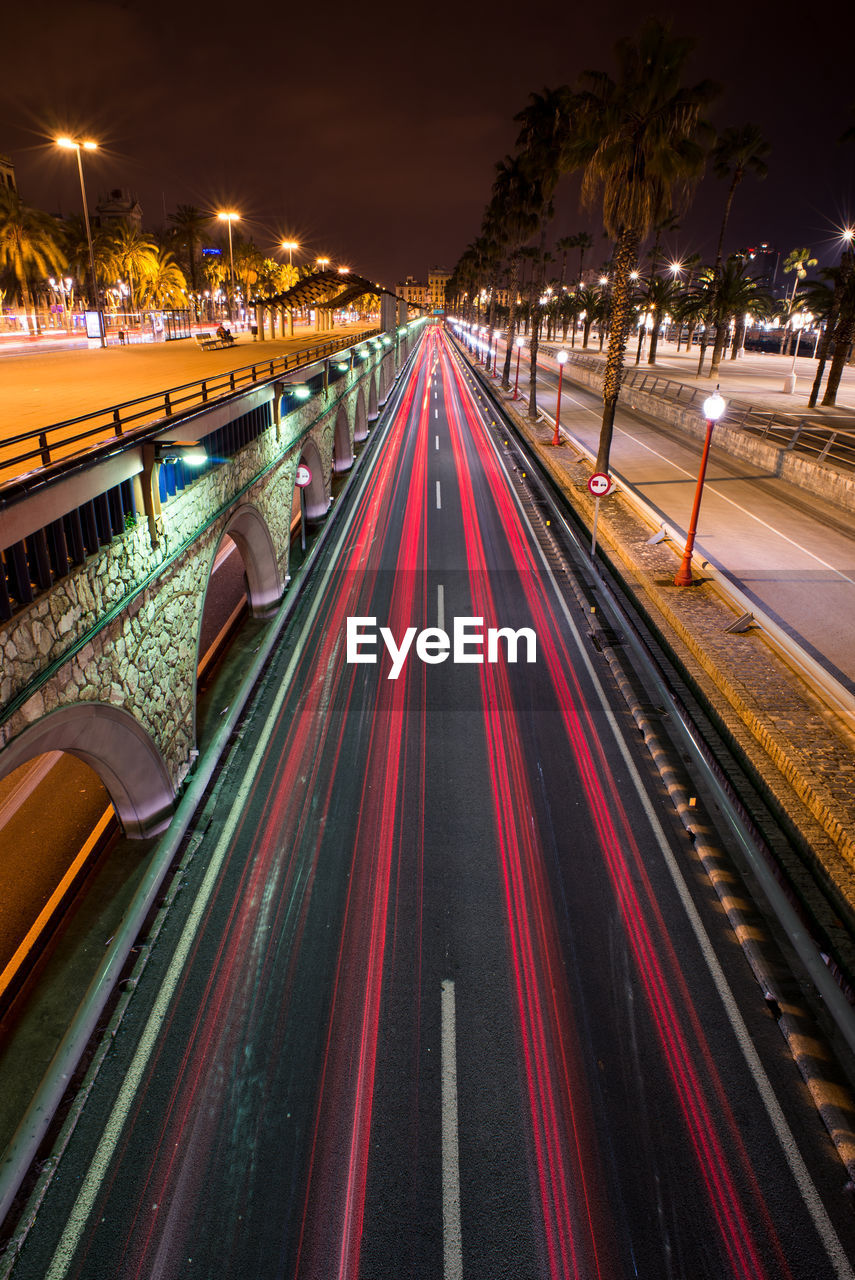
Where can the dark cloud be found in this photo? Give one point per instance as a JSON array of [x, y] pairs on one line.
[[371, 131]]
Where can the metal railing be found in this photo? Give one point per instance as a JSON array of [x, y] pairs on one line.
[[822, 441], [42, 446]]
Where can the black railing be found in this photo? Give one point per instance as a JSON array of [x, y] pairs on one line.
[[822, 441], [46, 445]]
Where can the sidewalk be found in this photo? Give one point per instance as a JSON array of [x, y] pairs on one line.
[[45, 385], [756, 378]]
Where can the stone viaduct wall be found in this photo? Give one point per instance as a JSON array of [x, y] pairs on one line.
[[104, 663]]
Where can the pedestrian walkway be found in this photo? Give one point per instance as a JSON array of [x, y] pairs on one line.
[[756, 378], [44, 385]]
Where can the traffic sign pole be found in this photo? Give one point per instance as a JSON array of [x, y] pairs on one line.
[[599, 484]]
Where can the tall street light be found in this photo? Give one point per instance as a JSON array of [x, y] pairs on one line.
[[714, 407], [290, 245], [323, 263], [519, 343], [562, 360], [71, 144], [229, 218]]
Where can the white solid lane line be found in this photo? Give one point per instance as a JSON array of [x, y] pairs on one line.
[[452, 1245]]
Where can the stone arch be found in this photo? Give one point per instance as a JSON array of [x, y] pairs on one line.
[[373, 410], [248, 530], [315, 493], [342, 459], [382, 390], [113, 743], [360, 422]]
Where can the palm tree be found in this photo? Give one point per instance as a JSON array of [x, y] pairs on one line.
[[839, 326], [583, 243], [188, 228], [737, 151], [30, 246], [519, 201], [563, 246], [128, 253], [588, 301], [164, 284], [734, 294], [662, 295], [639, 144], [798, 261], [545, 129]]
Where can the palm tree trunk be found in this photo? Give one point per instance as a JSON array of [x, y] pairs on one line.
[[534, 344], [842, 342], [626, 252], [822, 357], [718, 348], [512, 321], [654, 337]]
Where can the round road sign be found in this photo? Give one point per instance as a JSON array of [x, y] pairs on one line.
[[303, 477], [599, 484]]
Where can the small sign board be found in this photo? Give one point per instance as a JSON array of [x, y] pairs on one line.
[[303, 477], [94, 324], [599, 484]]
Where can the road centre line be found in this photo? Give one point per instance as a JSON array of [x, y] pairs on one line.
[[99, 1165], [440, 606], [452, 1250], [437, 443], [438, 498]]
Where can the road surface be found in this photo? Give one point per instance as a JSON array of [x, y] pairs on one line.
[[443, 993]]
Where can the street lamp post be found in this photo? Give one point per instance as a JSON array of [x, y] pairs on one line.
[[519, 343], [562, 360], [71, 145], [290, 245], [229, 218], [714, 407]]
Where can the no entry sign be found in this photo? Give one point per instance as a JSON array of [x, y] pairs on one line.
[[303, 477], [599, 484]]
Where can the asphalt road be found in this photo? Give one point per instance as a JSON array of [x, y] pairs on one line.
[[444, 994], [787, 549]]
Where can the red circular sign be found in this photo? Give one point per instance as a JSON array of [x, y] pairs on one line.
[[599, 484], [303, 477]]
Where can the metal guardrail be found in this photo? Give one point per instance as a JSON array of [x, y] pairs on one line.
[[46, 445], [821, 441]]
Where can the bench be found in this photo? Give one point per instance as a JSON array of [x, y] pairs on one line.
[[210, 341]]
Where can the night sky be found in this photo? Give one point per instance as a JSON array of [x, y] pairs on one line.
[[369, 132]]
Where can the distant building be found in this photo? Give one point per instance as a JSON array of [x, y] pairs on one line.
[[762, 262], [118, 205], [413, 291], [437, 280], [7, 172]]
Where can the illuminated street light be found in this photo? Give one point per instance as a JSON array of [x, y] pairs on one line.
[[519, 343], [70, 144], [290, 245], [562, 360], [323, 263], [229, 218], [714, 407]]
